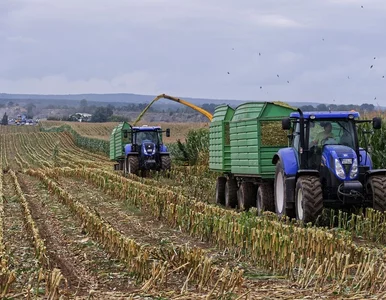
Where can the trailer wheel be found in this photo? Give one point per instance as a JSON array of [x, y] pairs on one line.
[[131, 165], [220, 190], [282, 207], [308, 198], [376, 189], [231, 193], [264, 198], [166, 162], [246, 195]]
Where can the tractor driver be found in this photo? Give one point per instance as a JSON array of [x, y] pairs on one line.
[[324, 135], [144, 135]]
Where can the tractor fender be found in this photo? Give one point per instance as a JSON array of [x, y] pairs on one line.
[[377, 172], [310, 172], [289, 160], [163, 148], [128, 150]]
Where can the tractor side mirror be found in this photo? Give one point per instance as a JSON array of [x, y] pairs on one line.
[[168, 132], [286, 124], [377, 123], [125, 134]]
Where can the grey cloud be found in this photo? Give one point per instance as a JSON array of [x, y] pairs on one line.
[[185, 48]]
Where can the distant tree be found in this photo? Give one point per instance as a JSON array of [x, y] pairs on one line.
[[53, 118], [102, 114], [333, 107], [307, 108], [30, 110], [209, 107], [367, 107], [83, 106], [4, 121], [321, 107], [343, 107], [10, 104], [115, 118]]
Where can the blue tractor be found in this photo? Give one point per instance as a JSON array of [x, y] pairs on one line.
[[325, 166], [139, 149]]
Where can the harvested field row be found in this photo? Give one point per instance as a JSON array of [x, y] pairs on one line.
[[114, 237], [103, 130]]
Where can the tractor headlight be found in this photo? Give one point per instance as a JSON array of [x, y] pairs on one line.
[[339, 169], [354, 169]]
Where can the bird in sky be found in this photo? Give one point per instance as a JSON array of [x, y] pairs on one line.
[[259, 54], [261, 87], [371, 66], [277, 75], [228, 72], [287, 81]]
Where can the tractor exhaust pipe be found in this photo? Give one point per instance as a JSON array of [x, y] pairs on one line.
[[302, 152]]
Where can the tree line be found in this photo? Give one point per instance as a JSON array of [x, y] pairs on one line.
[[365, 107]]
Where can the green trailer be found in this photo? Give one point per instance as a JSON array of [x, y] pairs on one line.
[[119, 138], [243, 142]]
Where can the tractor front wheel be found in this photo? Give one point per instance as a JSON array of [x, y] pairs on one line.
[[308, 198], [131, 165], [166, 162]]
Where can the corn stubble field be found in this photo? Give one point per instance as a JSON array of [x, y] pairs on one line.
[[103, 130], [73, 228]]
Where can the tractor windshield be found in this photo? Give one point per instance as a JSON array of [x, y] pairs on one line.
[[332, 132], [152, 136]]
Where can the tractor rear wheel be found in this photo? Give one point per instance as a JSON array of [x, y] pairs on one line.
[[246, 195], [166, 162], [231, 193], [131, 165], [264, 198], [282, 207], [376, 190], [308, 198], [220, 190]]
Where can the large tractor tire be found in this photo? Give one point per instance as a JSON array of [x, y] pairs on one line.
[[132, 165], [282, 207], [264, 198], [231, 193], [166, 162], [246, 196], [308, 198], [220, 190], [376, 190]]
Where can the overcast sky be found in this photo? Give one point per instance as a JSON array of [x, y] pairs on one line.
[[323, 48]]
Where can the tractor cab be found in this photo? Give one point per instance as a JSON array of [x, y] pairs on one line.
[[324, 133], [147, 134]]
